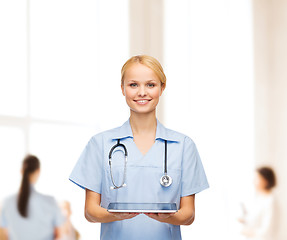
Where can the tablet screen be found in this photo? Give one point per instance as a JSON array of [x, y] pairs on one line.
[[143, 207]]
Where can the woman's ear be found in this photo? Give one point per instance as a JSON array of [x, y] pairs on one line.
[[123, 89], [162, 89]]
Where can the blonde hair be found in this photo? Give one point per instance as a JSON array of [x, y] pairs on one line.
[[149, 62]]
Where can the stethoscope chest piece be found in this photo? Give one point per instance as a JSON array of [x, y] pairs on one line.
[[165, 181]]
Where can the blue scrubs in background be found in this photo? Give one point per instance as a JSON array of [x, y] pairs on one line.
[[44, 215], [143, 178]]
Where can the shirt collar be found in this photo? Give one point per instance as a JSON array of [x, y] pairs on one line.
[[125, 131]]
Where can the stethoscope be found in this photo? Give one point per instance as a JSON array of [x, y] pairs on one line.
[[165, 180]]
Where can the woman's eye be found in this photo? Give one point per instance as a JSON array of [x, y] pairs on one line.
[[133, 84], [151, 85]]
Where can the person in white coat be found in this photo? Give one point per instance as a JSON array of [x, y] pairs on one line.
[[258, 217]]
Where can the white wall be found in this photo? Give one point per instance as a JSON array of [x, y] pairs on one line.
[[209, 97], [146, 32], [270, 38]]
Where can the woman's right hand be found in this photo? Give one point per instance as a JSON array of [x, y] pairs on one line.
[[123, 216], [95, 213]]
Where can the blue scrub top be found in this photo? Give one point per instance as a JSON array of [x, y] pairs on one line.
[[142, 178], [44, 216]]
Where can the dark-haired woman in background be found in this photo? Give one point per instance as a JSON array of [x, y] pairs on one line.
[[258, 218], [29, 215]]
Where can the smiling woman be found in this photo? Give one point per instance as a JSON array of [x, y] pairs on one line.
[[149, 144], [142, 88], [143, 82]]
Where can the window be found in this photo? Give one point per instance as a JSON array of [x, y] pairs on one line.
[[62, 62]]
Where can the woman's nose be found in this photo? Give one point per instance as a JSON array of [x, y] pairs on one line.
[[142, 91]]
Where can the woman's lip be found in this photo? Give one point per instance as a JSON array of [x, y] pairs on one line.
[[142, 101]]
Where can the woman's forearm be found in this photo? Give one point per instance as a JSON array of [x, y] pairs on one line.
[[186, 213], [99, 214], [181, 218], [93, 211]]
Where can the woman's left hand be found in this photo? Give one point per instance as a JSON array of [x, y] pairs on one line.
[[184, 215], [161, 217]]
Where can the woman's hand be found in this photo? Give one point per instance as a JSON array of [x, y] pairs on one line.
[[95, 213], [184, 216], [123, 216], [161, 217], [241, 220]]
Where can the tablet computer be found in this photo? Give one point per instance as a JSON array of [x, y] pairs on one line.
[[142, 207]]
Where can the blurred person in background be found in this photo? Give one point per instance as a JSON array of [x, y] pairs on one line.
[[257, 220], [29, 215], [68, 231], [3, 232]]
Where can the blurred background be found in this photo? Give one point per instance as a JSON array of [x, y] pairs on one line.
[[225, 62]]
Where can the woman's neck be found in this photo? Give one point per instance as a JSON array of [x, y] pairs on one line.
[[264, 192], [143, 123]]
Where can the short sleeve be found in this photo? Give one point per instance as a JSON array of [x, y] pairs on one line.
[[59, 218], [193, 175], [87, 172], [3, 221]]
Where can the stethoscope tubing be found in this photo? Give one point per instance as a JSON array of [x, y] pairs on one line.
[[165, 180], [165, 157], [125, 164], [118, 145]]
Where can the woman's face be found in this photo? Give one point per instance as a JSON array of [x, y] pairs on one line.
[[142, 88], [260, 182]]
